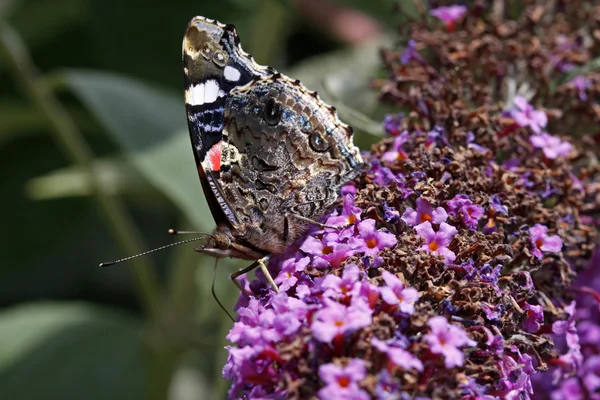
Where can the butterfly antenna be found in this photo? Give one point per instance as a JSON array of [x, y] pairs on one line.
[[212, 288], [176, 232], [109, 263]]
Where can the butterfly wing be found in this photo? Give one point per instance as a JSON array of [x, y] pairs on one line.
[[266, 148], [214, 65], [284, 153]]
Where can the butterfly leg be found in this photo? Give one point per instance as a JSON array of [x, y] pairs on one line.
[[312, 221], [262, 263]]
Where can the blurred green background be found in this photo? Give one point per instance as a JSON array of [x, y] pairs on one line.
[[95, 164]]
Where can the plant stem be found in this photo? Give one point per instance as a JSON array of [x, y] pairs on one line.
[[76, 149]]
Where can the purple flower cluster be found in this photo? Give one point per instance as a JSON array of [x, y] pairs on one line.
[[525, 115], [446, 270], [575, 373], [315, 316]]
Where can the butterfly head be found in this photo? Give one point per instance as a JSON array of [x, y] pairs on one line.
[[222, 243]]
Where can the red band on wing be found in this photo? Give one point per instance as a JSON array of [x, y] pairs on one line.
[[214, 157]]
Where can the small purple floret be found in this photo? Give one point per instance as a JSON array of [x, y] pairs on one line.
[[535, 317], [396, 153], [449, 14], [437, 242], [337, 319], [525, 115], [397, 355], [445, 339], [372, 241], [341, 383], [541, 241], [423, 213], [552, 146], [395, 293]]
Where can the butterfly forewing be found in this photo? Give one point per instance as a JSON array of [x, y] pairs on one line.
[[214, 64]]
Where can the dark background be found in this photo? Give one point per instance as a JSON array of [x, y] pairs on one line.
[[95, 165]]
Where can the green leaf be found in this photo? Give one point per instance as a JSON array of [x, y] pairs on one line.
[[70, 351], [117, 177], [21, 119], [7, 7], [149, 125]]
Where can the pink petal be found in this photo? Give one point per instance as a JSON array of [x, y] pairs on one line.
[[409, 217], [552, 243], [379, 344], [389, 296], [537, 253], [302, 263], [564, 149], [329, 372], [520, 118], [386, 239], [356, 368], [366, 227], [438, 324], [312, 246], [390, 156], [538, 230], [391, 279], [331, 282], [351, 273], [423, 206], [521, 103], [540, 118], [538, 141], [448, 254], [410, 295], [404, 359], [439, 215], [453, 357], [446, 233], [425, 230]]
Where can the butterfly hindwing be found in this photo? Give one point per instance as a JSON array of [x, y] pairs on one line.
[[286, 153]]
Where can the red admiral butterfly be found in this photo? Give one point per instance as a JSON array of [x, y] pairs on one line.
[[270, 154]]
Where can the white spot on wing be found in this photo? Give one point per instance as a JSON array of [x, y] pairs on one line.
[[203, 93], [211, 91], [231, 74], [194, 95]]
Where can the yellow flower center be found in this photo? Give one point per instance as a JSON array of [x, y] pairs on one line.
[[425, 217]]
